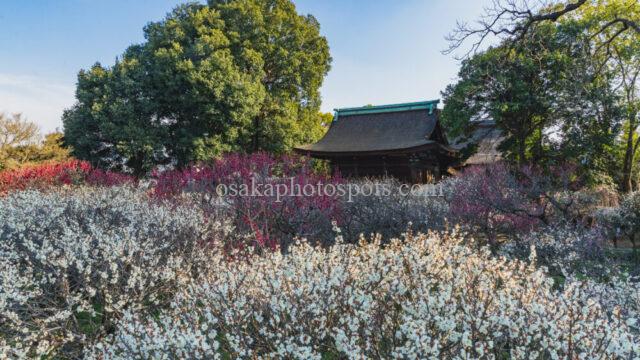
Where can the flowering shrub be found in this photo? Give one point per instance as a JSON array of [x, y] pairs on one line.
[[269, 220], [232, 168], [498, 199], [43, 175], [621, 296], [99, 177], [565, 250], [72, 263], [491, 200], [54, 174], [387, 211], [427, 296], [584, 204], [274, 222], [623, 221]]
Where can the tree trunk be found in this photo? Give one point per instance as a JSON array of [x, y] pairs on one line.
[[255, 141], [137, 165], [522, 149], [627, 166]]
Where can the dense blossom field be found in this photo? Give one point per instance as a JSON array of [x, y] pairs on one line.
[[120, 269], [422, 296]]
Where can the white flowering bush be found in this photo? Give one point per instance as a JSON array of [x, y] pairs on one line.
[[621, 296], [72, 263], [565, 250], [623, 222], [187, 331], [381, 208], [428, 296]]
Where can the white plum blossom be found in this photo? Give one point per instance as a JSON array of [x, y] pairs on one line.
[[71, 263], [111, 274], [427, 296]]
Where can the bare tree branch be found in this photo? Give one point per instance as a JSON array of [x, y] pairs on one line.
[[511, 20]]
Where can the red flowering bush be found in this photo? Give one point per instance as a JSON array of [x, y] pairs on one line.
[[99, 177], [52, 174], [43, 175], [271, 199]]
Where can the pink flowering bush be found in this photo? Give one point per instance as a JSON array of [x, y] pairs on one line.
[[237, 186], [498, 199], [490, 199], [99, 177]]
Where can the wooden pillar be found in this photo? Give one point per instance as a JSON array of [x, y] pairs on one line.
[[414, 170], [384, 166], [355, 167]]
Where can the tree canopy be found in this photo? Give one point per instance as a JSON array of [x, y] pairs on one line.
[[240, 75], [16, 130], [547, 94], [562, 84], [21, 143]]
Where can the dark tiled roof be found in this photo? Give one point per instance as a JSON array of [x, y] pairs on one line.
[[487, 137], [379, 128]]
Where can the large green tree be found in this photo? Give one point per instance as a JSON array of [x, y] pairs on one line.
[[611, 28], [547, 94], [505, 86], [241, 75], [115, 123], [294, 60]]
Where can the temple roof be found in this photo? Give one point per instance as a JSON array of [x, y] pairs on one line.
[[487, 137], [385, 128]]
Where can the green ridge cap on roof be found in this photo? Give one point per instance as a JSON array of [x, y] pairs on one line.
[[420, 105]]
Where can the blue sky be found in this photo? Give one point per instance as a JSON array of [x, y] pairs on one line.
[[384, 51]]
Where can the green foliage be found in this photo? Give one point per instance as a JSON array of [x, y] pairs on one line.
[[238, 75], [113, 124], [621, 61], [546, 93], [565, 89], [505, 84], [89, 322], [52, 148]]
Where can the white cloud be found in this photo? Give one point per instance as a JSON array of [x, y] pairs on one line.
[[39, 99]]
